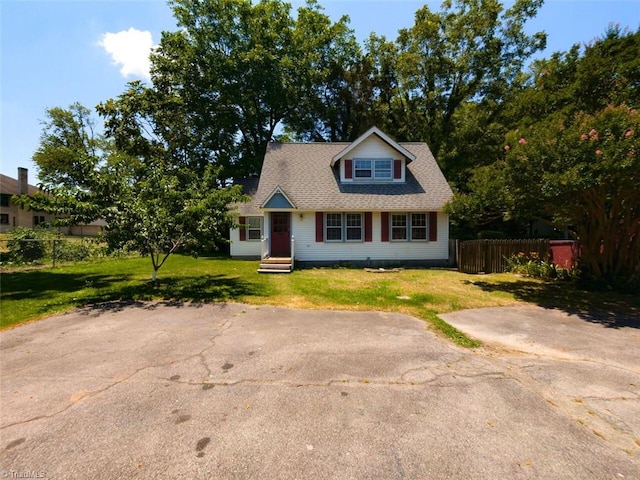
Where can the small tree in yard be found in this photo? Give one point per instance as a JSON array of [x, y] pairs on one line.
[[142, 180], [586, 174], [164, 195], [161, 209]]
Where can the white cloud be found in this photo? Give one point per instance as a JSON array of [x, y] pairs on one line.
[[130, 49]]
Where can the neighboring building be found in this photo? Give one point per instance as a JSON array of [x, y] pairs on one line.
[[92, 229], [12, 216], [372, 202]]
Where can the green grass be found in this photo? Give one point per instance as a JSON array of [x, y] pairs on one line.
[[32, 294]]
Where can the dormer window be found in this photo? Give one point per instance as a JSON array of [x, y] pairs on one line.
[[363, 168], [383, 169], [372, 169], [373, 158], [378, 169]]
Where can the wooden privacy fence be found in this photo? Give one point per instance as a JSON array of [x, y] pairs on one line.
[[489, 256]]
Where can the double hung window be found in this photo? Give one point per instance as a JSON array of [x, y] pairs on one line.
[[409, 227], [418, 226], [362, 168], [341, 227], [399, 226], [383, 169], [254, 228], [333, 227], [374, 169], [354, 227]]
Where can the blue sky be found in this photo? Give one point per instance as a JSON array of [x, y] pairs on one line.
[[54, 53]]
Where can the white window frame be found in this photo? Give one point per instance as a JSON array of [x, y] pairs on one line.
[[409, 227], [377, 168], [419, 228], [333, 228], [251, 227], [353, 228], [362, 165], [345, 228], [398, 227]]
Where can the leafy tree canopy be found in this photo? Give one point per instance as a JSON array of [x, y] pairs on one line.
[[571, 156], [153, 196], [240, 68], [584, 173]]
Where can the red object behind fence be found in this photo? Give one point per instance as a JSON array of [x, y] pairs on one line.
[[564, 253]]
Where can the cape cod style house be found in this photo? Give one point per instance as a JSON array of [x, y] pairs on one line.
[[373, 202]]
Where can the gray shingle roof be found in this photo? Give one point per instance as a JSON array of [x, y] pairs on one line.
[[304, 172], [9, 185]]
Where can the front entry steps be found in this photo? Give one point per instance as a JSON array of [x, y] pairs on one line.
[[276, 265]]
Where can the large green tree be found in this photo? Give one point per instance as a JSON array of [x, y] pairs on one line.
[[70, 155], [242, 68], [468, 54], [162, 196], [551, 167]]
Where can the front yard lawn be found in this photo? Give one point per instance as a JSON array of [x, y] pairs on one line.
[[32, 294]]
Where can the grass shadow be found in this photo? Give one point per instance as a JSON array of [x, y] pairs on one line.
[[35, 293], [606, 308], [179, 290], [203, 288], [35, 284]]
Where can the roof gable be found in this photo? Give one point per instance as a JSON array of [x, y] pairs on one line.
[[277, 199], [385, 138]]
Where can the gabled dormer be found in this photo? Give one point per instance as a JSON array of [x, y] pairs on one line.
[[373, 158]]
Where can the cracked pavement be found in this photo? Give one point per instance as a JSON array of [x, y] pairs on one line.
[[233, 391], [586, 366]]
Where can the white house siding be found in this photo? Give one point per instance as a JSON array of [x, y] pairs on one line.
[[244, 249], [307, 249]]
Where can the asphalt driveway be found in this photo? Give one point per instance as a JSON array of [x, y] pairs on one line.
[[585, 365], [232, 391]]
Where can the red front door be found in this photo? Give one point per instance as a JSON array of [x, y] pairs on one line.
[[280, 234]]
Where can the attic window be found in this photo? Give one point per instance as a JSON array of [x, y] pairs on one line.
[[362, 168], [377, 169], [383, 169]]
